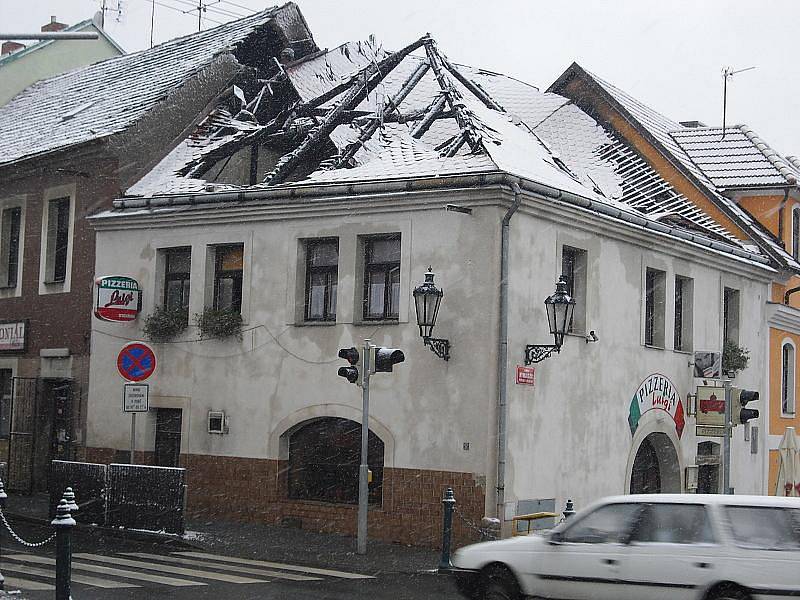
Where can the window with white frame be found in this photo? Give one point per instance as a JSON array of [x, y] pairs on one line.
[[730, 315], [382, 277], [177, 279], [57, 247], [796, 232], [573, 269], [322, 277], [682, 333], [654, 307], [10, 230], [228, 274], [787, 379]]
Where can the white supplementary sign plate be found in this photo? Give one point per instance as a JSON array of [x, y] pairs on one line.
[[136, 397]]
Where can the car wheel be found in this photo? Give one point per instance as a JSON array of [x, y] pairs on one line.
[[500, 585], [729, 592]]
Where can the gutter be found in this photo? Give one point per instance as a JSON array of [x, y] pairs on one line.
[[282, 193], [502, 355]]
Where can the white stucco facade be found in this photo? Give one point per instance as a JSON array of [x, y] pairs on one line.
[[568, 435]]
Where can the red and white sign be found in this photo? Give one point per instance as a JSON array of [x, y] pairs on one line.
[[525, 375], [710, 405], [119, 299], [136, 361], [12, 336]]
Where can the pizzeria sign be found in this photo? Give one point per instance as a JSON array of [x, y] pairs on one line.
[[119, 299], [657, 392]]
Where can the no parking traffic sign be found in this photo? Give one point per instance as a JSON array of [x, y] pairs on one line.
[[136, 361]]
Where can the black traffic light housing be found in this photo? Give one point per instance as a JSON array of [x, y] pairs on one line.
[[739, 400], [353, 373], [385, 359]]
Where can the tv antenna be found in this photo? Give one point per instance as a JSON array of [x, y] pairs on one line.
[[727, 73]]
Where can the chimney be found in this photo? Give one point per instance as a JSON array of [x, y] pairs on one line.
[[9, 47], [53, 25], [693, 124]]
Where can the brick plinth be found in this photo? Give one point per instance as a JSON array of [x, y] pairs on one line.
[[254, 490]]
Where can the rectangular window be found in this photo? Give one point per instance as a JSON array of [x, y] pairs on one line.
[[228, 269], [57, 240], [322, 275], [654, 302], [10, 223], [382, 278], [573, 268], [796, 233], [177, 271], [684, 288], [730, 315], [787, 380], [6, 383]]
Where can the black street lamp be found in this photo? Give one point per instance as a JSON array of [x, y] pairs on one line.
[[427, 298], [560, 307]]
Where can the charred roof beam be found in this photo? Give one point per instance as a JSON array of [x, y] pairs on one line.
[[361, 85]]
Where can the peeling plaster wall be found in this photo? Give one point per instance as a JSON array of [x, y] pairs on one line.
[[568, 435]]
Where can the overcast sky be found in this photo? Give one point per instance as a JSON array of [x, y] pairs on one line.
[[668, 54]]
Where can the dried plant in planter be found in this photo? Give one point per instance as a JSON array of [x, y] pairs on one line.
[[164, 323], [221, 324], [734, 357]]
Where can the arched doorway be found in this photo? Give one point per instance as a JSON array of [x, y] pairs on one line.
[[656, 468], [324, 458]]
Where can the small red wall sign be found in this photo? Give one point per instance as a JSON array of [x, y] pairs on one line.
[[525, 375], [118, 299]]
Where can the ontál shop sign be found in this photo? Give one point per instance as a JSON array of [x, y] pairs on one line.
[[119, 298]]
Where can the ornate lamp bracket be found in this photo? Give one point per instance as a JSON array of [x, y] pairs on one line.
[[535, 353], [439, 347]]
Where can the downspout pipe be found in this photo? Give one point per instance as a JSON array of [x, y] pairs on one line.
[[780, 216], [502, 354]]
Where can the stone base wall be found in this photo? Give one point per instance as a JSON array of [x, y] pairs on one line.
[[255, 490]]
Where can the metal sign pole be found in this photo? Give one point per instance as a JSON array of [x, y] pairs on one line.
[[726, 440], [363, 469], [133, 435]]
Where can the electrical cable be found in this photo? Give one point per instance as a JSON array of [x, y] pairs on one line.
[[209, 7], [178, 10]]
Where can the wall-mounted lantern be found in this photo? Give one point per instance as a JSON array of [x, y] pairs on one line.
[[427, 298], [560, 307]]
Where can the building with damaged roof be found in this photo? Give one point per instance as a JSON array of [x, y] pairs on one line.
[[311, 204], [70, 145]]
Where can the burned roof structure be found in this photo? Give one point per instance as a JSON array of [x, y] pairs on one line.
[[125, 100]]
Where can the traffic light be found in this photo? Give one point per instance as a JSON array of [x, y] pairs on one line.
[[353, 372], [384, 359], [739, 400]]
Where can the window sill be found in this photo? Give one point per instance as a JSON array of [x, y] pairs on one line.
[[788, 415], [367, 323], [685, 352], [653, 347], [315, 324]]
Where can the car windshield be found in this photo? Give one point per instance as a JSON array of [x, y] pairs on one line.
[[765, 528]]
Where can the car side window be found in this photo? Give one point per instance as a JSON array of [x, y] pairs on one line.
[[764, 527], [606, 524], [674, 524]]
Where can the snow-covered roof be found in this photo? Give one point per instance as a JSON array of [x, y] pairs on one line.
[[105, 98], [667, 133], [740, 159]]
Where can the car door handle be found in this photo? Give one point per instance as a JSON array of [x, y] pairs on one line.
[[702, 565], [610, 561]]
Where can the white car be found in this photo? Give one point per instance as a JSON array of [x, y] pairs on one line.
[[647, 547]]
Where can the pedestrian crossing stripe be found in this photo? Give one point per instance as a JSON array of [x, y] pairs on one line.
[[126, 562], [87, 567], [101, 570], [274, 565], [224, 567]]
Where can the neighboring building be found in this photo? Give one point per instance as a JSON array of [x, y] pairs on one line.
[[315, 220], [80, 140], [737, 177], [20, 66]]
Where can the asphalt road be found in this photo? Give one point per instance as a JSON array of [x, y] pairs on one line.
[[122, 569]]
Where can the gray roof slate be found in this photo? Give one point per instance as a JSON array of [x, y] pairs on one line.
[[114, 93]]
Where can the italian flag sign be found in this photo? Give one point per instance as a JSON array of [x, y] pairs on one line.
[[657, 392]]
